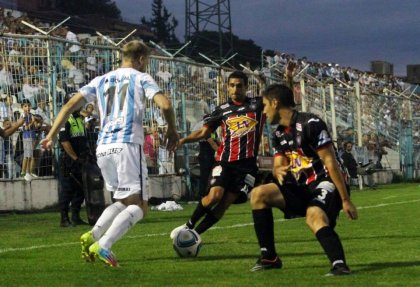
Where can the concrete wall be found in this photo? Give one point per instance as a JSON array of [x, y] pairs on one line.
[[19, 195]]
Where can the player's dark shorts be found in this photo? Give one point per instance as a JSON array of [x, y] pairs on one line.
[[236, 177], [323, 194]]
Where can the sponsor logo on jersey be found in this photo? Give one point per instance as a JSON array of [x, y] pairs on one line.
[[313, 120], [299, 163], [299, 126], [224, 106], [241, 125]]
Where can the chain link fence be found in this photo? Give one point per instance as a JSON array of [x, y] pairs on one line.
[[42, 70]]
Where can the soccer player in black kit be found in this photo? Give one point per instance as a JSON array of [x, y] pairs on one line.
[[308, 181], [233, 176]]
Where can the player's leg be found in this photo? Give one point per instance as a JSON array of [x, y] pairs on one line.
[[241, 181], [320, 218], [131, 191], [215, 214], [263, 198], [204, 206], [217, 182]]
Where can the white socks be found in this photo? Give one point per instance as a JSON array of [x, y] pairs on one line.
[[121, 224], [106, 218]]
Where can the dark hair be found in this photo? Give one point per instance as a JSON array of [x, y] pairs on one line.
[[239, 75], [281, 93], [25, 101]]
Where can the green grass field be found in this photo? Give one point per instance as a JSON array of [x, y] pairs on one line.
[[382, 248]]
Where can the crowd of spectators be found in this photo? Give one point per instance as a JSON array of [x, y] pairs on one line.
[[384, 104], [25, 75]]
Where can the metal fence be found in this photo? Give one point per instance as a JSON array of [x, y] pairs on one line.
[[42, 70]]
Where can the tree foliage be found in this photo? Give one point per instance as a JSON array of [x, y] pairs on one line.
[[107, 8], [207, 43], [162, 23]]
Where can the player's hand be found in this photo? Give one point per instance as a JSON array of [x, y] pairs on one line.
[[180, 143], [46, 143], [280, 173], [171, 140], [349, 209]]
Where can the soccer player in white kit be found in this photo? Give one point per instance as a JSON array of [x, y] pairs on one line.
[[120, 95]]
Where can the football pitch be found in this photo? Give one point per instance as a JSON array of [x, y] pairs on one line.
[[382, 249]]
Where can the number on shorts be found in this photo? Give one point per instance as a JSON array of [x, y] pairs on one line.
[[323, 194]]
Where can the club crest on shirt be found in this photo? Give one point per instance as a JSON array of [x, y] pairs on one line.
[[241, 125]]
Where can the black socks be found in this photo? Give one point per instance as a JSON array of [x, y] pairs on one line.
[[331, 244], [264, 228]]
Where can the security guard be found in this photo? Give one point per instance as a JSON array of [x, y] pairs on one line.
[[74, 153]]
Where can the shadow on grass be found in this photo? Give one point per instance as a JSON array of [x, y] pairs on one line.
[[385, 265]]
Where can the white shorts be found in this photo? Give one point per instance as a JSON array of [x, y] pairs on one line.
[[124, 169]]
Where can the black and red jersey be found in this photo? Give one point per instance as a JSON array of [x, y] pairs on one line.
[[299, 143], [241, 125]]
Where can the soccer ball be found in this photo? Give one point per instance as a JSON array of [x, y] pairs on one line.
[[187, 243]]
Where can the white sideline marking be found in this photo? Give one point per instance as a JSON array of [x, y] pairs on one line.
[[5, 250]]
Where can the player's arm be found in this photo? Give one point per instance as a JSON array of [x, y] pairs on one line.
[[168, 113], [213, 144], [74, 104], [9, 131], [196, 135], [280, 167], [327, 155]]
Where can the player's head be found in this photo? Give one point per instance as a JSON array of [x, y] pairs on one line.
[[137, 53], [237, 86], [276, 97]]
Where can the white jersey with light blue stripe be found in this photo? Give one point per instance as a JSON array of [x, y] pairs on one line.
[[120, 95]]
